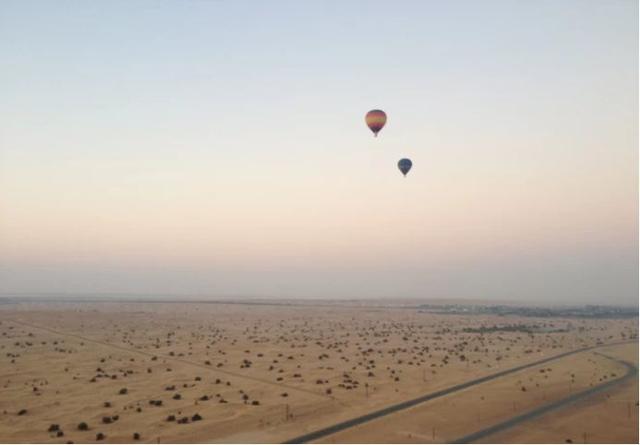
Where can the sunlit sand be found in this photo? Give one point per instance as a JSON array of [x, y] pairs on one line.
[[194, 372]]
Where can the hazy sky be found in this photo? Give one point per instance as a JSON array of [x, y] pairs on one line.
[[219, 148]]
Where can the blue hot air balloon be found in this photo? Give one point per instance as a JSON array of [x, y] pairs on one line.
[[405, 165]]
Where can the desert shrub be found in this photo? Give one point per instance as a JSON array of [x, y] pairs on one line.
[[136, 436], [82, 426]]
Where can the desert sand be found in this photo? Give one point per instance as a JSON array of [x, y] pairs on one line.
[[609, 417], [194, 372]]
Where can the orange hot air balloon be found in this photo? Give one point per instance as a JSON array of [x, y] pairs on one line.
[[375, 120]]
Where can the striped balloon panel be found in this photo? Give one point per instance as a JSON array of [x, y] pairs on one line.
[[375, 120]]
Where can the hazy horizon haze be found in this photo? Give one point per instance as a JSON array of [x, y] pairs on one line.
[[220, 148]]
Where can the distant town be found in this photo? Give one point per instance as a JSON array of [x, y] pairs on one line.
[[587, 311]]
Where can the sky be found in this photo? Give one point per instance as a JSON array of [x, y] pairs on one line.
[[218, 148]]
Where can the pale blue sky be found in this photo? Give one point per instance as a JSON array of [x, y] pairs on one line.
[[219, 147]]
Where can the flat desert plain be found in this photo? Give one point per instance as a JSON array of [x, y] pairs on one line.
[[215, 372]]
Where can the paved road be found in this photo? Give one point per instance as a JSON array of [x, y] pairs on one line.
[[632, 371], [319, 434]]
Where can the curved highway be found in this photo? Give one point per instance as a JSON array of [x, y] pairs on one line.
[[319, 434], [632, 371]]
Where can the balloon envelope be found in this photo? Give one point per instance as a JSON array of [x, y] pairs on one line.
[[375, 120], [405, 165]]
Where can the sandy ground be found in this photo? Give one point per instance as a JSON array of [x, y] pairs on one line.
[[447, 419], [609, 417], [268, 373]]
